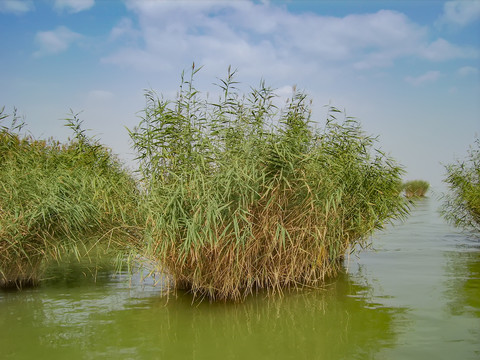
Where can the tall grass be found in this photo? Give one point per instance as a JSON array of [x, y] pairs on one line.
[[59, 199], [242, 195], [415, 188], [462, 203]]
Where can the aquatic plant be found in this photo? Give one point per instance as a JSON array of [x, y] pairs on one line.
[[415, 188], [58, 199], [462, 204], [242, 195]]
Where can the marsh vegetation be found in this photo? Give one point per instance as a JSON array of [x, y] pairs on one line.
[[231, 196], [242, 195], [59, 200], [462, 203]]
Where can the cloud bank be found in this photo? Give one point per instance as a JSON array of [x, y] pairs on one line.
[[265, 39]]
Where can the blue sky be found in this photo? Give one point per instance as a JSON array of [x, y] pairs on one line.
[[408, 70]]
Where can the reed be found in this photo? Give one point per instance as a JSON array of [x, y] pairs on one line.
[[59, 199], [241, 195], [462, 204], [415, 188]]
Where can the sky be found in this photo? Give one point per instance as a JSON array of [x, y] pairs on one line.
[[409, 70]]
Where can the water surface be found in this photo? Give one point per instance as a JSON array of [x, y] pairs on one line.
[[416, 296]]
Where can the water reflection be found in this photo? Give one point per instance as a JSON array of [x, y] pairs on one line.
[[112, 319], [428, 267], [463, 286]]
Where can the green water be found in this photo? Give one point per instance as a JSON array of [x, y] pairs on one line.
[[417, 296]]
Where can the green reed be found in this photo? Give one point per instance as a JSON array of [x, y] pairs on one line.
[[415, 188], [462, 204], [242, 195], [59, 199]]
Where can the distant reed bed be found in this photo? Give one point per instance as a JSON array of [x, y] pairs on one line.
[[241, 195], [415, 188], [59, 199]]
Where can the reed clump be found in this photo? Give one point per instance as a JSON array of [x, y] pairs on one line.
[[415, 188], [59, 199], [462, 204], [242, 195]]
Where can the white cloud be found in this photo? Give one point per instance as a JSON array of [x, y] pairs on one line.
[[467, 71], [16, 6], [124, 30], [262, 38], [441, 50], [430, 76], [55, 41], [460, 12], [73, 6], [265, 39]]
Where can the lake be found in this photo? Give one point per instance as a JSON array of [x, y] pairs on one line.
[[416, 295]]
